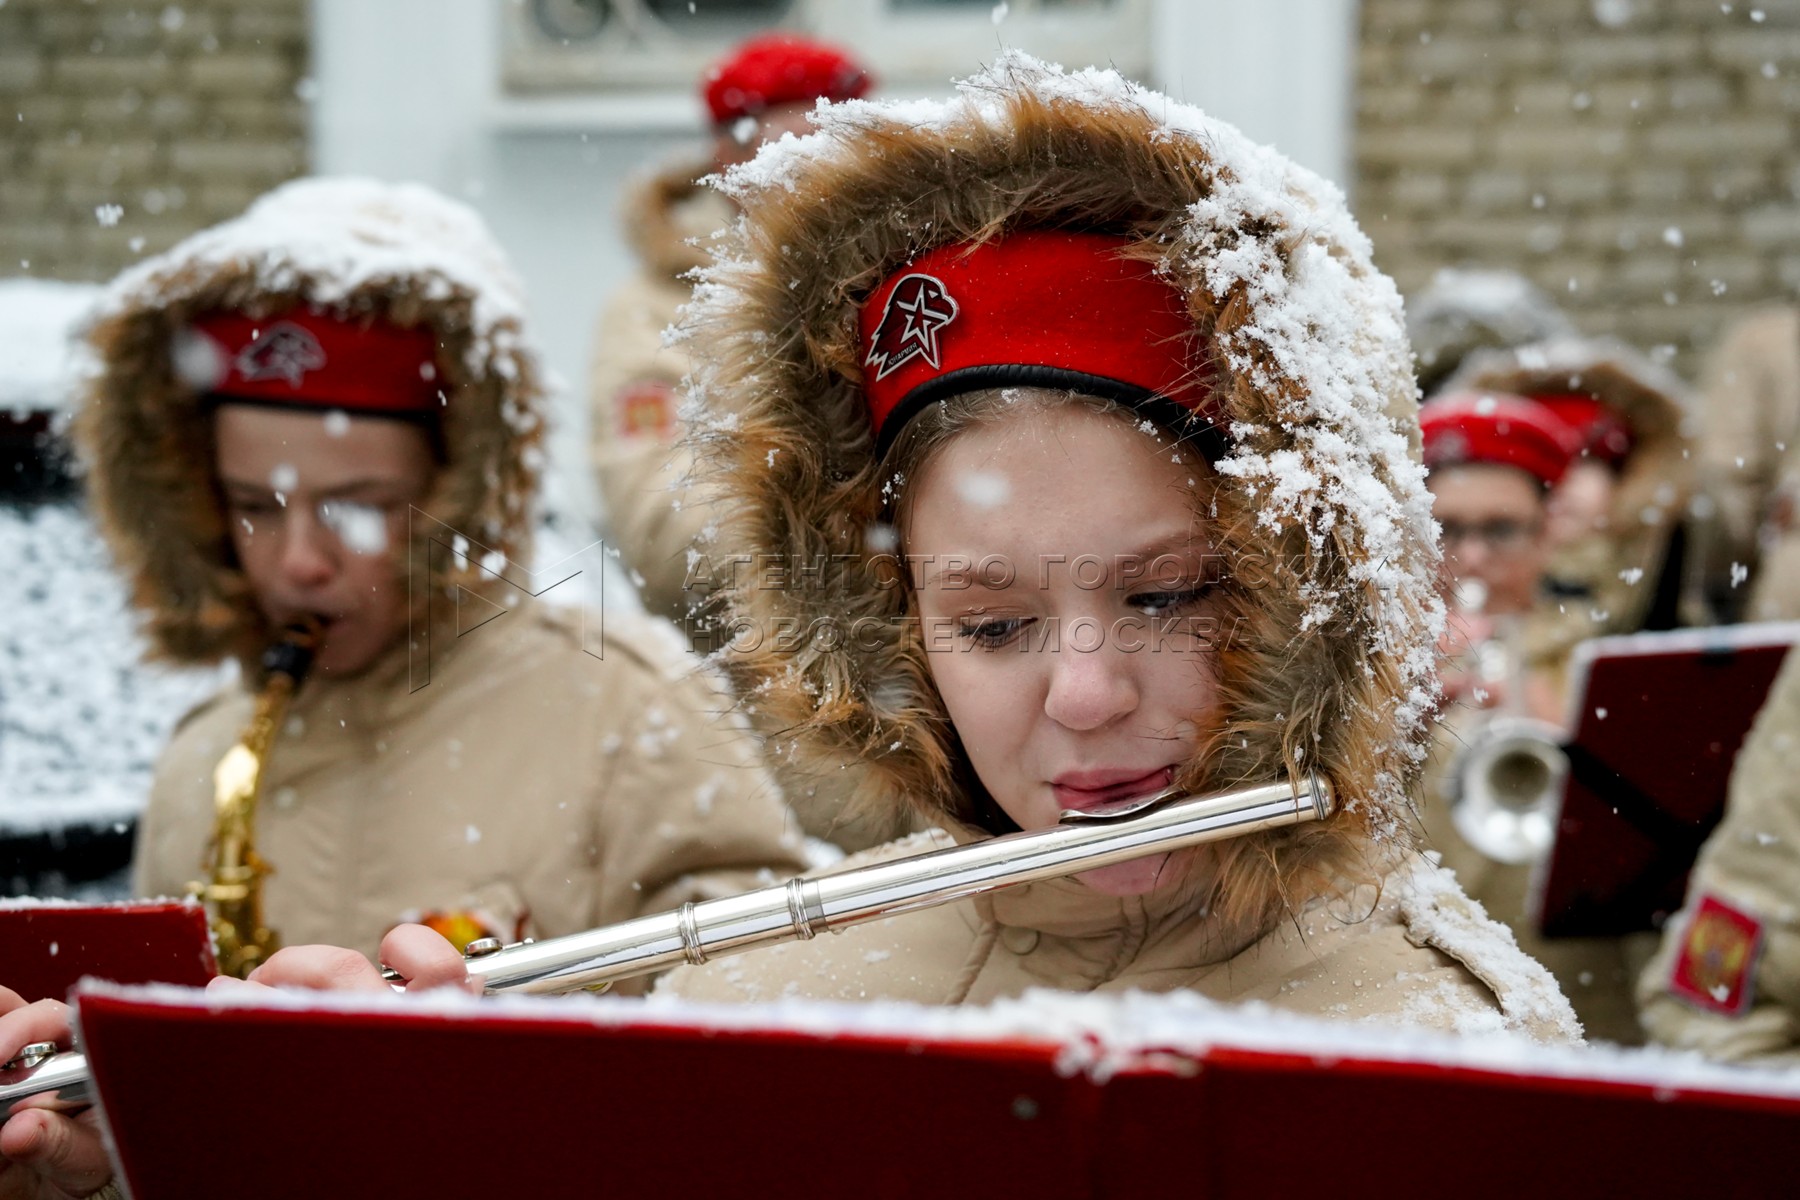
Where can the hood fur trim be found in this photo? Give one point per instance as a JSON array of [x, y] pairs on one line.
[[1331, 667], [668, 214], [358, 248]]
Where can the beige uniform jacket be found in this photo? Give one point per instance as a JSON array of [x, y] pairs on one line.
[[1749, 462], [1420, 954], [1726, 979], [514, 777], [633, 388]]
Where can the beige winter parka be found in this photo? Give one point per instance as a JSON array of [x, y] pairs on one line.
[[1749, 467], [523, 772], [527, 786], [1331, 665], [1726, 979], [662, 516], [654, 514]]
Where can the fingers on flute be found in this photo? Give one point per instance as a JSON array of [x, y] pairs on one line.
[[424, 957], [40, 1021], [322, 968], [68, 1153]]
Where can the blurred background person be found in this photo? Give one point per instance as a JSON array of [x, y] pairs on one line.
[[1493, 462], [1747, 528], [1465, 309], [1615, 521], [760, 91]]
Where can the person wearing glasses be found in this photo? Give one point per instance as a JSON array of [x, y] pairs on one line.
[[1495, 463]]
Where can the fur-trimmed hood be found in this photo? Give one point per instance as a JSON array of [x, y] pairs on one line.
[[1332, 667], [1466, 310], [669, 213], [1657, 477], [358, 248]]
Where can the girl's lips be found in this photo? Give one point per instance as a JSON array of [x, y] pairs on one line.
[[1086, 791]]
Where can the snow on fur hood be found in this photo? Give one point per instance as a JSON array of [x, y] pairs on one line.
[[1332, 666], [355, 247]]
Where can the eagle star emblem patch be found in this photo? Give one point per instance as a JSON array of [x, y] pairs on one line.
[[282, 351], [917, 311], [1715, 968]]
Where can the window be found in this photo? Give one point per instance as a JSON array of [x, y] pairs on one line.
[[661, 45]]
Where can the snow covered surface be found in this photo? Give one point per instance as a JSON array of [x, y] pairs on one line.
[[1097, 1035], [397, 231], [81, 718], [26, 903], [39, 365]]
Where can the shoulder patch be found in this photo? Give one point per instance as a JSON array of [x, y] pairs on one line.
[[1715, 969], [645, 409]]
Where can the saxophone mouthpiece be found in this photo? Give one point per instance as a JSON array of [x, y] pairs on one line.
[[292, 652]]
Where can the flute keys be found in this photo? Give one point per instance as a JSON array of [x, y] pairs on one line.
[[30, 1056]]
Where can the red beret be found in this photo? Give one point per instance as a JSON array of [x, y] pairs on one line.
[[1491, 427], [1600, 432], [310, 359], [1038, 307], [779, 68]]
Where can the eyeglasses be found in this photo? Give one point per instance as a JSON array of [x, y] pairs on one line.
[[1502, 535]]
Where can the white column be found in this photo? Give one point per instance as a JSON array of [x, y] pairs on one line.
[[1283, 71]]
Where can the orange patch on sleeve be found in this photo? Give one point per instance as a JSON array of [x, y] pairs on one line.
[[645, 409], [1715, 969]]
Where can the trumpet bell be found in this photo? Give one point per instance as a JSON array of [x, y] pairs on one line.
[[1506, 788]]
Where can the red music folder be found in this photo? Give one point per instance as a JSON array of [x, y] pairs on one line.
[[1659, 718], [1048, 1097], [47, 945]]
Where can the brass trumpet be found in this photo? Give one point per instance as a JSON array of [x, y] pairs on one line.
[[804, 908], [1505, 788]]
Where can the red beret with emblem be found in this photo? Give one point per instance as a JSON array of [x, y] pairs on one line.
[[1048, 308], [779, 68], [1601, 432], [308, 359], [1497, 429]]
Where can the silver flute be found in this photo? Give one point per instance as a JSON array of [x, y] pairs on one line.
[[804, 908]]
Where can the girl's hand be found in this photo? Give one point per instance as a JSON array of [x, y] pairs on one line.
[[420, 954], [44, 1155]]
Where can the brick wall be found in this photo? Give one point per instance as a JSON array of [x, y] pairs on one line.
[[1640, 159], [129, 125]]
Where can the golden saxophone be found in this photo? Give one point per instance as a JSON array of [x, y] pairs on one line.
[[804, 908], [233, 890]]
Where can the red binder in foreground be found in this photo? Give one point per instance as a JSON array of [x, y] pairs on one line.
[[45, 946], [1046, 1097], [1659, 720]]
